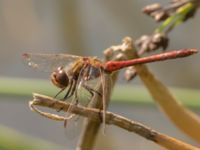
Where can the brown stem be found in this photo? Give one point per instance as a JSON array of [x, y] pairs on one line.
[[111, 119]]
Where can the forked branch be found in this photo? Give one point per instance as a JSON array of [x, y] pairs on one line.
[[111, 119]]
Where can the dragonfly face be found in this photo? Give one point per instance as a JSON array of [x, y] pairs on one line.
[[60, 78]]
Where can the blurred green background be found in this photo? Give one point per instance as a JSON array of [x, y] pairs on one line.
[[86, 28]]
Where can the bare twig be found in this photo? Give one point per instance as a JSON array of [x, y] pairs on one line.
[[111, 119]]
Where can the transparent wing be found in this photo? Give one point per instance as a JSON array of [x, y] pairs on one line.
[[49, 62], [106, 81], [73, 128], [89, 84], [88, 90]]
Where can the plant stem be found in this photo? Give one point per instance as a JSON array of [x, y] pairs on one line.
[[111, 119], [175, 19]]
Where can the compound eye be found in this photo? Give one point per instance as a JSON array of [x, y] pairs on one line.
[[60, 78]]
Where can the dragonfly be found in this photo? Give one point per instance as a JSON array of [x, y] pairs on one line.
[[70, 72]]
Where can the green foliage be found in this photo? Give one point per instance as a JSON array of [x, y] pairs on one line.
[[121, 93], [14, 140]]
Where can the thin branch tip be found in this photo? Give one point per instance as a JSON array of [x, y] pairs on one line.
[[36, 95], [30, 104]]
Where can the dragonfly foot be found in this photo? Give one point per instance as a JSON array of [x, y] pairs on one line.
[[58, 110]]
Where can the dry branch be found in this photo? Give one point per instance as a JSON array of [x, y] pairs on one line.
[[111, 119]]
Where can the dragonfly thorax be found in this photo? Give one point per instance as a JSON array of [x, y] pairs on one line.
[[60, 78]]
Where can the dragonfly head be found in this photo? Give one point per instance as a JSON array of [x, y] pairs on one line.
[[59, 78]]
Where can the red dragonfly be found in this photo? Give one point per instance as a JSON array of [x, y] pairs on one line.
[[71, 72]]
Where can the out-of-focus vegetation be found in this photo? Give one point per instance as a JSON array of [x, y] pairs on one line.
[[14, 140], [121, 93]]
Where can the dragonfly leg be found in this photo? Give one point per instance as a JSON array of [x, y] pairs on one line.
[[91, 90], [59, 92], [72, 91], [57, 95], [61, 108], [68, 94], [87, 74]]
